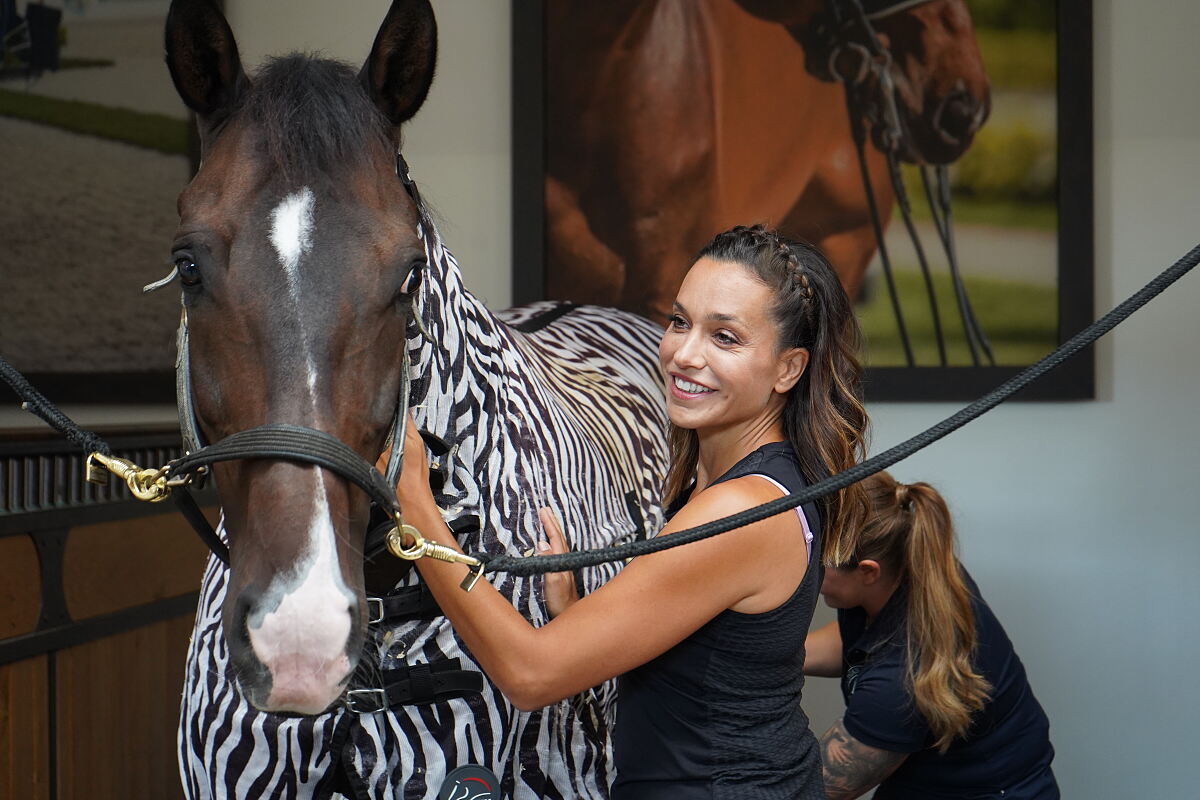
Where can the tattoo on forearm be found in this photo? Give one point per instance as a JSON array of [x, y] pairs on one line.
[[852, 768]]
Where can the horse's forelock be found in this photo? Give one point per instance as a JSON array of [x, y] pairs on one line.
[[313, 115], [315, 118]]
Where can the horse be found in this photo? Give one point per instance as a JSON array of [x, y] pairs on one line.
[[671, 119], [314, 284]]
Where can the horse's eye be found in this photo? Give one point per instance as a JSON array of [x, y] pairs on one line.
[[189, 273], [413, 279]]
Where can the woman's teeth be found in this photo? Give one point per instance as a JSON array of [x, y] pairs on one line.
[[689, 387]]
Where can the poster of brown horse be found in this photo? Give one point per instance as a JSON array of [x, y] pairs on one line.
[[665, 121]]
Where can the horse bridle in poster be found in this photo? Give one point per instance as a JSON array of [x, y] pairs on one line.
[[849, 48]]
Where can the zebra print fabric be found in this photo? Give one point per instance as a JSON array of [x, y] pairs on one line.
[[569, 415]]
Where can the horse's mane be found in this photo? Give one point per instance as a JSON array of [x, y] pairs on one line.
[[313, 114]]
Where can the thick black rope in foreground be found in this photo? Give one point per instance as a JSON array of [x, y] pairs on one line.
[[535, 565], [34, 402]]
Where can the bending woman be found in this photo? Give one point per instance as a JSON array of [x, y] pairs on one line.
[[759, 359], [937, 702]]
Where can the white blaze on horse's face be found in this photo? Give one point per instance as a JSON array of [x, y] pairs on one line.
[[291, 231], [302, 642], [302, 622], [291, 234]]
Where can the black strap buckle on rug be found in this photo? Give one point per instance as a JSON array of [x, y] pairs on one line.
[[419, 684], [409, 603]]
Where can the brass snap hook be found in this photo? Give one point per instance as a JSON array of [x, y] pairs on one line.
[[395, 542], [149, 485], [420, 547]]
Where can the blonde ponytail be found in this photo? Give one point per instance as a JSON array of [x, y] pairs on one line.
[[941, 628], [909, 532]]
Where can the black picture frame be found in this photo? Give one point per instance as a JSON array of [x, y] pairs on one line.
[[110, 387], [1073, 380], [133, 387]]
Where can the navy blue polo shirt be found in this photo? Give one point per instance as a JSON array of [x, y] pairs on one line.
[[1006, 751]]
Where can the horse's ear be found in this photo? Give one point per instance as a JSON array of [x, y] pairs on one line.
[[203, 58], [399, 70]]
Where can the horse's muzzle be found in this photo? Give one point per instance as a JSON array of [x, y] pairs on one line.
[[295, 650]]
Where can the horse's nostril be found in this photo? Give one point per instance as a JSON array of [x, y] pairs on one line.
[[958, 116], [239, 629]]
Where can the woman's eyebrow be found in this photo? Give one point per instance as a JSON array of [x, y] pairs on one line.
[[716, 316]]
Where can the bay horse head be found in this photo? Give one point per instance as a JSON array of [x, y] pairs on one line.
[[298, 251], [915, 65]]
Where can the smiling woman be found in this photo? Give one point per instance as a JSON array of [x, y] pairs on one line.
[[719, 365], [762, 387], [788, 288]]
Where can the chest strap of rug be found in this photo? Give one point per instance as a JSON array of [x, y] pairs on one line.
[[409, 603], [419, 684]]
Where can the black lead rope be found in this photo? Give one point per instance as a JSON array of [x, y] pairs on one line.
[[287, 442], [35, 403], [295, 443], [534, 565]]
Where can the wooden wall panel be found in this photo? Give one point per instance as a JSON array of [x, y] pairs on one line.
[[25, 730], [118, 707], [115, 565], [20, 586]]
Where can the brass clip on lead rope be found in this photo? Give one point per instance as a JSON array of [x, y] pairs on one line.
[[423, 548], [148, 485]]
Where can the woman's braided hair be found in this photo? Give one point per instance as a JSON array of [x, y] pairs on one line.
[[823, 416]]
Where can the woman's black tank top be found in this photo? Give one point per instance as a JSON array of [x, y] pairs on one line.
[[718, 715]]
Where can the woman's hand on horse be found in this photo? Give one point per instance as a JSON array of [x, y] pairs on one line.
[[413, 484], [558, 588]]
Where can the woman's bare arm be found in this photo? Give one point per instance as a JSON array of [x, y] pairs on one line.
[[654, 603], [823, 652]]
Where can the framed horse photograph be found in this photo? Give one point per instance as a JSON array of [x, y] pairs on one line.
[[96, 150], [938, 152]]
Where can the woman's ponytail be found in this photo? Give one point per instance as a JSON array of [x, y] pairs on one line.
[[908, 531], [941, 627]]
